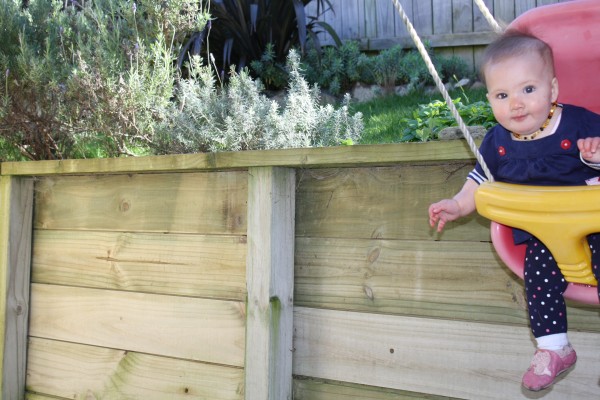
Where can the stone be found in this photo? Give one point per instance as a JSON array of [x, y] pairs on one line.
[[454, 132], [462, 83], [362, 93]]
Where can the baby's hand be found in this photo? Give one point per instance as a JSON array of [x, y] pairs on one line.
[[442, 212], [590, 149]]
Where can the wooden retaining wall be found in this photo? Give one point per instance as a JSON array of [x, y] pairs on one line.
[[452, 27], [304, 273]]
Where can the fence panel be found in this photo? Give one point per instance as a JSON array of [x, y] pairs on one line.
[[458, 26]]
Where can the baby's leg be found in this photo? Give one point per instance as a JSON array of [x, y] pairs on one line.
[[594, 241], [544, 286]]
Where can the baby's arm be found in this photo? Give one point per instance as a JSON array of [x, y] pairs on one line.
[[590, 149], [462, 204]]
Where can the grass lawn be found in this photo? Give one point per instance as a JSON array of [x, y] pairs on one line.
[[383, 116]]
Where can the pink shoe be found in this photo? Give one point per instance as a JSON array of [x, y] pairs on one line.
[[546, 366]]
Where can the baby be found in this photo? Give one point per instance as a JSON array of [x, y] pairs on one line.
[[537, 142]]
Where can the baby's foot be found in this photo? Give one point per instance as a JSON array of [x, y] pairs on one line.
[[546, 366]]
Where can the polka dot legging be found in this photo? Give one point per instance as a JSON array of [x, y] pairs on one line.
[[545, 284]]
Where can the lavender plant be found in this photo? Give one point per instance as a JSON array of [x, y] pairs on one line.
[[209, 117]]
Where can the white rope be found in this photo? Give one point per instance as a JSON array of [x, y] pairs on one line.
[[488, 16], [440, 85]]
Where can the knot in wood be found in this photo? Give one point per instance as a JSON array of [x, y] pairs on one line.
[[124, 206]]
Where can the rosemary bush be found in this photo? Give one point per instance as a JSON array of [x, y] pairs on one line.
[[88, 80]]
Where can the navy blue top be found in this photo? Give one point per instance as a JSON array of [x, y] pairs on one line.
[[550, 161]]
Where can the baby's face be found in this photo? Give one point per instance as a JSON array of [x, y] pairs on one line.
[[521, 90]]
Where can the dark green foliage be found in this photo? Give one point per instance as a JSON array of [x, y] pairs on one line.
[[334, 68], [270, 72], [241, 30], [453, 67], [414, 70]]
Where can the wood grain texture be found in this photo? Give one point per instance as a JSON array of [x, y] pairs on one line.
[[381, 203], [173, 326], [270, 279], [16, 213], [451, 280], [442, 16], [381, 154], [210, 203], [319, 389], [462, 16], [439, 357], [480, 24], [75, 371], [504, 11], [187, 265]]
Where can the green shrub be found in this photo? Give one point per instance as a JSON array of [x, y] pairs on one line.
[[335, 68], [395, 66], [453, 67], [88, 81], [238, 116], [272, 73], [387, 68], [241, 30], [428, 119]]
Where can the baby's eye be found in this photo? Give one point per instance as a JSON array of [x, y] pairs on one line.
[[529, 89], [501, 96]]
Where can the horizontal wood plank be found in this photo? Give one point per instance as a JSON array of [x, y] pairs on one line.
[[182, 327], [319, 389], [187, 265], [454, 280], [76, 371], [209, 203], [379, 154], [454, 40], [37, 396], [451, 280], [382, 202], [435, 356]]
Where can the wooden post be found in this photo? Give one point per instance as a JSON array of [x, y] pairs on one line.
[[270, 283], [16, 205]]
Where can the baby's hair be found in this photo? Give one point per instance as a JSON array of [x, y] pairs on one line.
[[511, 44]]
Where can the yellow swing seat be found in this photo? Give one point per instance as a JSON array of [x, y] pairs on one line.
[[560, 216]]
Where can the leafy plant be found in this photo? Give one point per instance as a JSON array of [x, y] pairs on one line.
[[334, 68], [207, 117], [272, 73], [453, 67], [428, 119], [241, 30]]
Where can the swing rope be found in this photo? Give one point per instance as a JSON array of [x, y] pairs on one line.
[[440, 85], [488, 16]]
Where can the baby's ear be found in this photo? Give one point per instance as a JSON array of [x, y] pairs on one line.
[[554, 89]]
